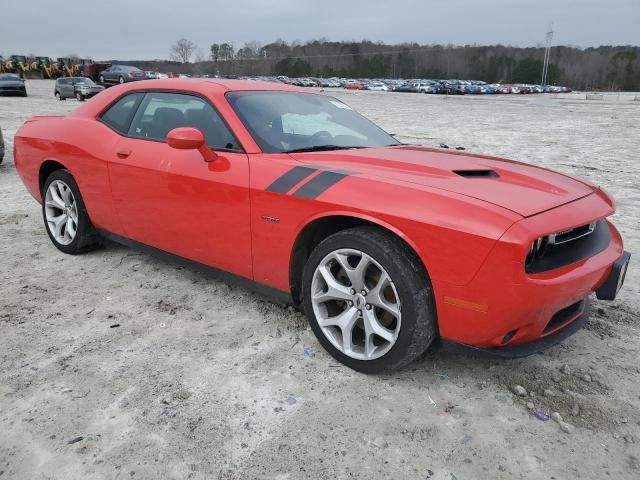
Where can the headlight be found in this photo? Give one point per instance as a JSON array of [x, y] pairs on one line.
[[536, 249]]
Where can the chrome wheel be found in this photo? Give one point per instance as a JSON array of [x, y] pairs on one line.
[[356, 304], [61, 212]]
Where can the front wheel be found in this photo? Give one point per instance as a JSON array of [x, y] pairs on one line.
[[79, 97], [101, 79], [121, 80], [65, 216], [369, 300]]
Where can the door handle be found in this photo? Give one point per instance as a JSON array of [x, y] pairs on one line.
[[123, 152]]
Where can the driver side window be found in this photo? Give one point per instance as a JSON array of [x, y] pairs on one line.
[[161, 112]]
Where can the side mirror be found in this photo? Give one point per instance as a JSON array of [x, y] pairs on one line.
[[189, 138]]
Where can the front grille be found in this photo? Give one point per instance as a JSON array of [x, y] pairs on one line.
[[571, 251], [563, 316], [573, 234]]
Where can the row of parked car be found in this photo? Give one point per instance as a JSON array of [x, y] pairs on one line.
[[463, 87], [450, 87]]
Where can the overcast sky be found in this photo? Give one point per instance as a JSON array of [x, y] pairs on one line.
[[145, 29]]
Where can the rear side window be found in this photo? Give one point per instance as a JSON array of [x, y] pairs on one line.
[[119, 114]]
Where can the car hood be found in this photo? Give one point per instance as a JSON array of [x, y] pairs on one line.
[[519, 187]]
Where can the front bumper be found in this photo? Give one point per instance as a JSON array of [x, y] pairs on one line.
[[504, 307], [88, 93], [535, 346], [571, 322], [610, 288], [11, 90]]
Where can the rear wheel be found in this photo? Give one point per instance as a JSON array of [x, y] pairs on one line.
[[121, 80], [369, 300], [101, 79], [65, 215], [59, 96]]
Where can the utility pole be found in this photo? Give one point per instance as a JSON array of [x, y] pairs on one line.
[[545, 63]]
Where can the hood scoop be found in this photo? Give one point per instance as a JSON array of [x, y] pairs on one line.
[[477, 173]]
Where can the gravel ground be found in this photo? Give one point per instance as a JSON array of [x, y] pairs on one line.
[[116, 364]]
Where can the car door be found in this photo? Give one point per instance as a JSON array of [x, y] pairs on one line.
[[109, 74], [172, 199], [69, 88], [62, 88]]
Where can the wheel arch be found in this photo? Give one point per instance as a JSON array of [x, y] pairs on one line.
[[320, 227], [46, 169]]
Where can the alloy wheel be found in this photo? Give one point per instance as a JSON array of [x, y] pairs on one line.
[[356, 304], [61, 212]]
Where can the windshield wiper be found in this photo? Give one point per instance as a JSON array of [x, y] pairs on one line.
[[321, 148]]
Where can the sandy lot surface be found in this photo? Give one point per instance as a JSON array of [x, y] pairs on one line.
[[206, 380]]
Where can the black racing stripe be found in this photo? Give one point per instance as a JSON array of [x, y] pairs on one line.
[[287, 181], [318, 185]]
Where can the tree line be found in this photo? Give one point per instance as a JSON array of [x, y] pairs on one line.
[[595, 68]]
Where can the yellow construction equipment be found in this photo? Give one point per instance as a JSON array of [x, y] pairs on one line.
[[46, 68], [66, 67], [17, 64]]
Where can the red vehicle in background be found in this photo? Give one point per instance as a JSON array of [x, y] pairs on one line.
[[355, 86], [92, 70], [387, 247]]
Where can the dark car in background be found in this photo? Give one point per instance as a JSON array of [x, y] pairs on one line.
[[80, 88], [121, 74], [406, 87], [454, 87], [12, 84], [1, 146]]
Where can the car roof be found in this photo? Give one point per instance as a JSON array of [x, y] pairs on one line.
[[221, 84], [196, 85]]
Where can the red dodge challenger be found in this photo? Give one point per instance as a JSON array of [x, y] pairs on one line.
[[387, 247]]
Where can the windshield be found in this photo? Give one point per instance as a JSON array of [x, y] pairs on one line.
[[291, 121]]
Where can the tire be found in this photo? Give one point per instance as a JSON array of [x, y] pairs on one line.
[[415, 327], [85, 236], [101, 79], [79, 97], [120, 80], [59, 96]]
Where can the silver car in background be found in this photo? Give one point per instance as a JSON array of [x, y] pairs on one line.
[[79, 88], [121, 74]]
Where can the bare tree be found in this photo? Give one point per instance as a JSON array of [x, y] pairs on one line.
[[182, 50]]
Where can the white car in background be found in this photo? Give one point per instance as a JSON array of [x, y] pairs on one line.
[[426, 87], [162, 75], [378, 86]]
